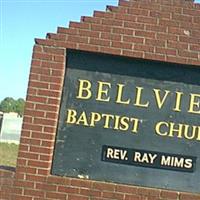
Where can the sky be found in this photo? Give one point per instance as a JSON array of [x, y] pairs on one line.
[[23, 20]]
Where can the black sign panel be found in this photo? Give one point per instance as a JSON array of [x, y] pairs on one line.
[[129, 121], [152, 159]]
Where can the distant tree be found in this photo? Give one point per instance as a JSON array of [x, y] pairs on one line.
[[7, 105], [11, 105], [19, 106]]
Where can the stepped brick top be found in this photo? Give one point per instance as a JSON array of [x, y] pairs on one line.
[[152, 29]]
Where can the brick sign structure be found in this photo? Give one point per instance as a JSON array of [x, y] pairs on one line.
[[154, 31]]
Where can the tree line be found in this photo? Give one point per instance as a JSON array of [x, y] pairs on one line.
[[11, 105]]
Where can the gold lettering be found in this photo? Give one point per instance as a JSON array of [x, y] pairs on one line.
[[138, 98], [124, 123], [160, 101], [95, 117], [107, 120], [116, 125], [198, 135], [158, 127], [120, 94], [71, 116], [194, 103], [84, 91], [102, 91], [82, 119], [178, 101], [177, 129], [186, 132], [135, 125]]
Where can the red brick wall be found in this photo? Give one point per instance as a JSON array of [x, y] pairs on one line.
[[6, 183], [165, 30]]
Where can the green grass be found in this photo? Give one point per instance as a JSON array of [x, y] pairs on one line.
[[8, 154]]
